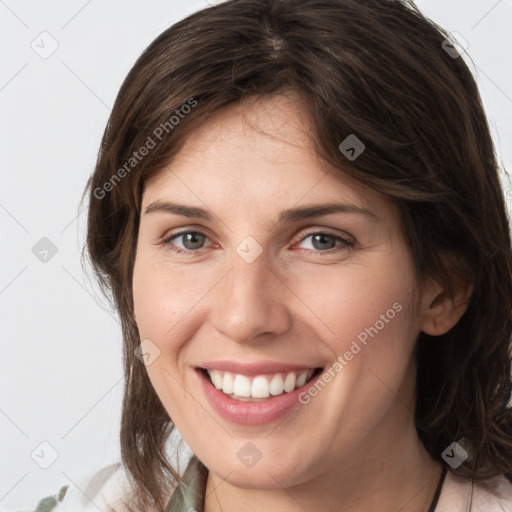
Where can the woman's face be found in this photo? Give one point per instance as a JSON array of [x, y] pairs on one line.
[[244, 276]]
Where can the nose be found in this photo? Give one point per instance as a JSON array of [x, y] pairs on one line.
[[250, 302]]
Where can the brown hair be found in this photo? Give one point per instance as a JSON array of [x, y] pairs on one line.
[[374, 68]]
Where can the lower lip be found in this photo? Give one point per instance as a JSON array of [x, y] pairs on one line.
[[252, 413]]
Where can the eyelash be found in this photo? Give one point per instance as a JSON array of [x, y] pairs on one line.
[[345, 243]]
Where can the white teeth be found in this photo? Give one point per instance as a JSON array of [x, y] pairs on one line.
[[241, 386], [301, 379], [260, 386], [289, 383], [276, 384], [227, 383], [216, 378]]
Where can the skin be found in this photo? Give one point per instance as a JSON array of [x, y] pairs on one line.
[[354, 446]]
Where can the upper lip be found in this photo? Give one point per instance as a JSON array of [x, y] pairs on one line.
[[254, 368]]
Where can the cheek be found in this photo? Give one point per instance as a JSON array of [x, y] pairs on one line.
[[162, 300], [370, 325], [163, 297], [361, 302]]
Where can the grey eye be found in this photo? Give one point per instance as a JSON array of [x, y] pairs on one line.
[[191, 240]]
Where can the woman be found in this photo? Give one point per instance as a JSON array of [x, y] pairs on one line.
[[297, 211]]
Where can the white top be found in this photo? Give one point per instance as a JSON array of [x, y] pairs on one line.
[[456, 495], [109, 487]]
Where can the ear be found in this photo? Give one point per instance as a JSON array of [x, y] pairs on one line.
[[441, 312]]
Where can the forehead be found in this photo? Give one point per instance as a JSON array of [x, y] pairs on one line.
[[256, 153]]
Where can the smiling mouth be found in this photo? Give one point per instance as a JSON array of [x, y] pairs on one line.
[[258, 387]]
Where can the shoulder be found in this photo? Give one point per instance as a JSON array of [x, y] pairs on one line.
[[107, 490], [498, 498], [459, 494]]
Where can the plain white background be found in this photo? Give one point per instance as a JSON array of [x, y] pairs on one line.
[[61, 373]]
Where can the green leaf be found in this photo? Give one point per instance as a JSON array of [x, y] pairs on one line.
[[46, 504], [62, 492]]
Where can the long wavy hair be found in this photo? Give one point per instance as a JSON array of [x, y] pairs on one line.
[[380, 70]]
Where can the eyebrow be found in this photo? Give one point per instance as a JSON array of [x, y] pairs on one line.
[[290, 215]]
